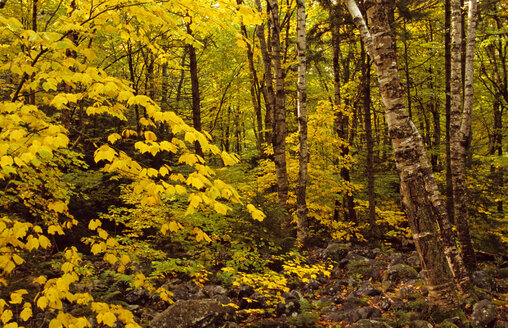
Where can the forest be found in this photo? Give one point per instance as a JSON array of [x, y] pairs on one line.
[[253, 163]]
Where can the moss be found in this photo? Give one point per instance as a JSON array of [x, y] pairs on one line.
[[438, 315], [304, 319], [447, 324]]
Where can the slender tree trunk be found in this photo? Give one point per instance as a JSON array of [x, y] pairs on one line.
[[366, 102], [254, 90], [268, 91], [449, 185], [279, 131], [196, 101], [410, 157], [342, 121], [460, 128], [301, 202]]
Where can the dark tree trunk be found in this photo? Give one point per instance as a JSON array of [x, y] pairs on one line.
[[196, 101]]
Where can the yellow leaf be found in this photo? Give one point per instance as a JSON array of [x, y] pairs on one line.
[[150, 136], [228, 159], [221, 208], [57, 206], [93, 224], [163, 171], [125, 259], [17, 259], [52, 229], [27, 312], [6, 316], [6, 161], [42, 302], [108, 318], [97, 248], [17, 296], [41, 280], [110, 258], [11, 325], [102, 233], [114, 137], [44, 241]]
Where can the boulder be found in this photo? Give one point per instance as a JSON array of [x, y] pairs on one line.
[[484, 314], [396, 258], [355, 314], [366, 323], [336, 251], [420, 324], [194, 314], [483, 280], [400, 272]]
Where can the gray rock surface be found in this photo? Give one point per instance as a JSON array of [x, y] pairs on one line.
[[194, 314], [484, 314]]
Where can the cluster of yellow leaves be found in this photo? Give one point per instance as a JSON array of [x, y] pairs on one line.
[[269, 284], [26, 138], [305, 272]]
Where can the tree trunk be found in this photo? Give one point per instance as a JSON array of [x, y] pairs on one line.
[[410, 157], [449, 185], [268, 92], [301, 202], [196, 102], [254, 90], [460, 128], [342, 121], [366, 102], [279, 131]]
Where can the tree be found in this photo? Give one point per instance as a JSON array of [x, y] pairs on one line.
[[303, 155], [460, 127], [279, 110], [410, 157]]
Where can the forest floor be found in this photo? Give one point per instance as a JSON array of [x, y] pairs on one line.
[[362, 287]]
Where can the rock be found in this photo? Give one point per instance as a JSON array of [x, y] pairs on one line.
[[354, 315], [215, 290], [483, 280], [137, 296], [502, 273], [336, 251], [400, 272], [413, 260], [271, 323], [484, 314], [396, 258], [186, 291], [289, 308], [367, 289], [385, 305], [245, 291], [420, 324], [313, 284], [366, 323], [352, 302], [337, 287], [194, 314], [368, 253], [454, 322]]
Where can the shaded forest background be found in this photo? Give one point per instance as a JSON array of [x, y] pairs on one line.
[[154, 142]]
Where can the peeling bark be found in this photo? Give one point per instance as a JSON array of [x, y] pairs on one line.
[[419, 193], [301, 203]]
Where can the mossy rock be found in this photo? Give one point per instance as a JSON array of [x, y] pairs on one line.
[[400, 272], [304, 320], [447, 324]]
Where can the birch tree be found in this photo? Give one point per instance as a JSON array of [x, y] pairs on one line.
[[460, 123], [419, 194], [301, 47]]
